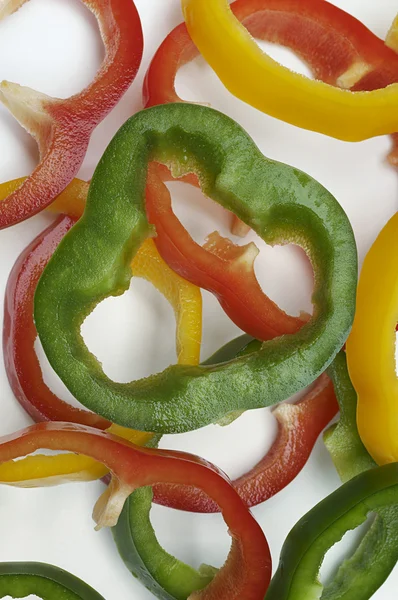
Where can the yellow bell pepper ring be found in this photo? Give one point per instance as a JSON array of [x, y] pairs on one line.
[[260, 81], [371, 347]]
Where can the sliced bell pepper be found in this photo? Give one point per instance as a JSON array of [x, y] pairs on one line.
[[93, 262], [377, 553], [309, 540], [19, 580], [248, 568], [250, 74], [62, 128], [371, 347], [221, 267]]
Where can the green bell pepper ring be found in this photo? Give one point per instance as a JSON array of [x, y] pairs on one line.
[[377, 554], [161, 573], [307, 543], [19, 580], [92, 262]]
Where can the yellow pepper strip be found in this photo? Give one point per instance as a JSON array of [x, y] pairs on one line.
[[186, 301], [257, 79], [371, 347]]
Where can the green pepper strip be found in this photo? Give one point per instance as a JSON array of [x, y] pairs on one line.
[[92, 262], [367, 488], [309, 540], [20, 580], [164, 575]]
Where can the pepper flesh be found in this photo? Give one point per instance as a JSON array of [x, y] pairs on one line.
[[371, 563], [371, 347], [19, 580], [248, 567], [250, 74], [62, 128], [183, 398]]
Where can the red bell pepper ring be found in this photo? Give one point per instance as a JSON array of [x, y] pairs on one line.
[[19, 334], [299, 426], [62, 128], [338, 49], [220, 266], [247, 571]]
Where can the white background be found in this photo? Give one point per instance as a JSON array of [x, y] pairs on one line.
[[54, 46]]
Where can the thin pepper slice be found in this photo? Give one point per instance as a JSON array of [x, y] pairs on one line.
[[299, 426], [371, 563], [19, 580], [371, 347], [248, 568], [92, 262], [309, 540], [257, 79], [221, 267], [62, 128]]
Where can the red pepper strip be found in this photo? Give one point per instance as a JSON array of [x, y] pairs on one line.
[[299, 426], [62, 128], [247, 572], [220, 266], [19, 334], [337, 47]]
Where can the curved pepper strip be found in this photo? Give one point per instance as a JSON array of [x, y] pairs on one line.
[[309, 540], [247, 570], [337, 48], [299, 426], [62, 128], [221, 267], [371, 347], [92, 262], [365, 571], [257, 79], [19, 580]]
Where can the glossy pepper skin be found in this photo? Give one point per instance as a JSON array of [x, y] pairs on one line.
[[114, 224], [248, 568], [62, 128], [19, 580], [257, 79], [377, 553], [371, 347], [309, 540]]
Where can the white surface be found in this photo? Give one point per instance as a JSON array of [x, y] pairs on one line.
[[55, 48]]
